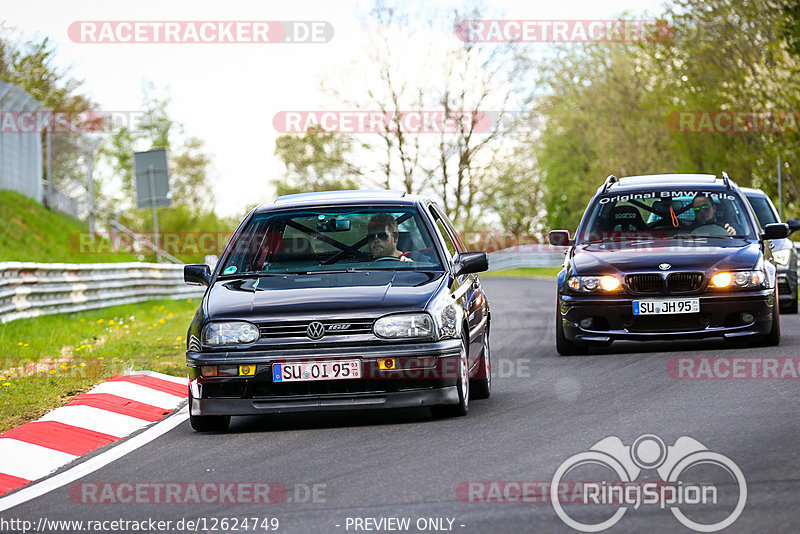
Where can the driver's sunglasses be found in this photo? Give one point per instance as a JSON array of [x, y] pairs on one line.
[[703, 207], [383, 236]]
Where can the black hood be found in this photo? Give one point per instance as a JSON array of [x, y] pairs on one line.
[[367, 293], [700, 256]]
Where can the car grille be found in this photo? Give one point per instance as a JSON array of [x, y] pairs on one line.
[[685, 282], [332, 387], [663, 323], [297, 329], [321, 387], [645, 283]]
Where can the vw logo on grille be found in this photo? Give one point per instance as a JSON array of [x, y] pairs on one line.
[[315, 330], [665, 266]]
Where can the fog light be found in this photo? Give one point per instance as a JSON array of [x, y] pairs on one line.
[[386, 363], [247, 370], [208, 370], [586, 322], [746, 318]]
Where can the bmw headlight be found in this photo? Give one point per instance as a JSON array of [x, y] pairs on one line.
[[229, 333], [404, 326], [591, 284], [447, 316], [781, 257], [738, 279]]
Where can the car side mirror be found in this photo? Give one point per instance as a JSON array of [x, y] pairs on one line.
[[559, 238], [776, 231], [793, 225], [471, 262], [197, 275]]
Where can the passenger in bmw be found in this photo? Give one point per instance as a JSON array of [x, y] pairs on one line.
[[382, 234], [706, 222]]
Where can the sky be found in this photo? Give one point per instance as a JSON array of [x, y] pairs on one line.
[[228, 93]]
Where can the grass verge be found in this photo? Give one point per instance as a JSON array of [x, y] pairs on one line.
[[31, 232], [47, 360], [529, 272]]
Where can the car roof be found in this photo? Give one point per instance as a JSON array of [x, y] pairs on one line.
[[326, 198], [752, 191], [627, 183]]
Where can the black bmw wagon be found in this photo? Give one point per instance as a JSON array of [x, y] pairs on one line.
[[338, 301], [674, 256]]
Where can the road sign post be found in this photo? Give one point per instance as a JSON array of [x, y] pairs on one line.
[[152, 185]]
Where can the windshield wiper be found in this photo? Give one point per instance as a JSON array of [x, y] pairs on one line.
[[332, 271], [614, 238], [704, 236], [247, 274]]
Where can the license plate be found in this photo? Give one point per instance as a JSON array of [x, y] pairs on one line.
[[666, 307], [317, 370]]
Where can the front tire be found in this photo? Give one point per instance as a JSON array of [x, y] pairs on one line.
[[481, 387], [773, 338], [462, 408], [208, 423]]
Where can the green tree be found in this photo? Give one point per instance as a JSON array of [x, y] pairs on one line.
[[738, 56], [605, 114], [187, 159], [192, 207], [315, 161], [30, 65]]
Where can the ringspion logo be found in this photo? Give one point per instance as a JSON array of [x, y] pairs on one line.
[[674, 465]]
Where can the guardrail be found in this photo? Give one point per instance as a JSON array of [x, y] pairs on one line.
[[535, 256], [33, 289], [526, 256]]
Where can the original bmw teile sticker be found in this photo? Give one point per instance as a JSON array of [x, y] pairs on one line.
[[666, 194], [229, 270]]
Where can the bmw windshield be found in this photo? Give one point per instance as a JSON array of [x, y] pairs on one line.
[[331, 240], [667, 214]]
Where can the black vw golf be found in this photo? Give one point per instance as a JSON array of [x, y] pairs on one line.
[[337, 301], [674, 256]]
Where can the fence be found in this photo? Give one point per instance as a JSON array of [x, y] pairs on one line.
[[535, 256], [526, 256], [63, 203], [20, 153], [33, 289]]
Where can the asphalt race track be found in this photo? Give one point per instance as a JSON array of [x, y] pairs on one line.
[[342, 468]]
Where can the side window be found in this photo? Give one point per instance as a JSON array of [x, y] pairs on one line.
[[452, 231], [442, 225]]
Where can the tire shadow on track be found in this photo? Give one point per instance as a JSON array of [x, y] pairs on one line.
[[339, 419], [678, 347]]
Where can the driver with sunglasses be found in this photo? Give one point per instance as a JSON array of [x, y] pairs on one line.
[[382, 237], [705, 214]]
